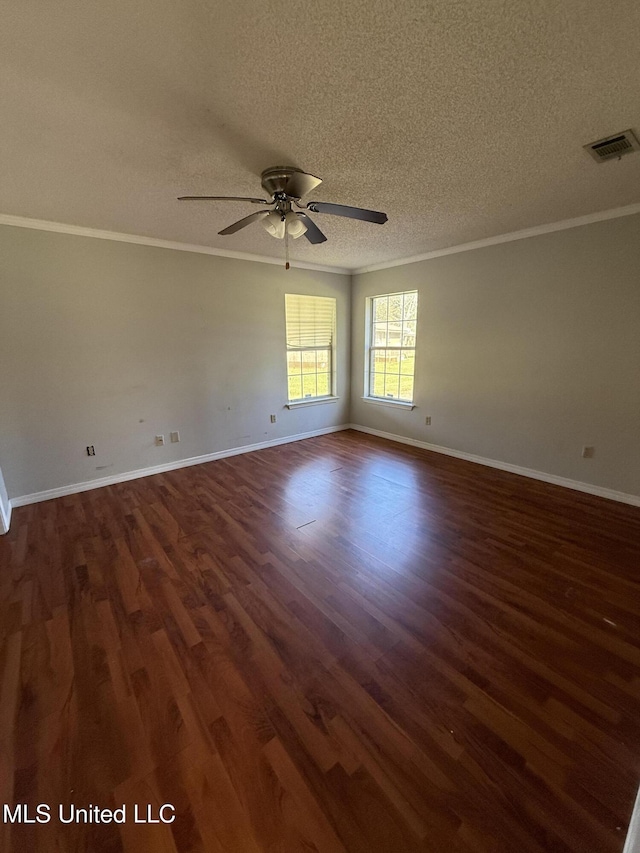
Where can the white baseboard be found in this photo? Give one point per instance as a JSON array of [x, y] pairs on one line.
[[632, 844], [5, 517], [577, 485], [74, 488]]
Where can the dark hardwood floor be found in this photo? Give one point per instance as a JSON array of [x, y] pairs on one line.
[[341, 644]]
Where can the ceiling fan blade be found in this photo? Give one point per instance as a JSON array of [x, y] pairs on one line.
[[300, 183], [313, 233], [242, 223], [222, 198], [351, 212]]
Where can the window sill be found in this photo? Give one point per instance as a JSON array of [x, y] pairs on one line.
[[394, 404], [298, 404]]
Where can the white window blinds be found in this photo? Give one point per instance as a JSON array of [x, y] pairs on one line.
[[310, 321]]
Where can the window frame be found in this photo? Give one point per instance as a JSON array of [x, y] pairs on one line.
[[323, 398], [370, 347]]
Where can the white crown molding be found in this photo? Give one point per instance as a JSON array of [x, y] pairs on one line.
[[576, 485], [81, 231], [535, 231], [74, 488]]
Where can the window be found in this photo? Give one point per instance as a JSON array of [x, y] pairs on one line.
[[392, 346], [311, 324]]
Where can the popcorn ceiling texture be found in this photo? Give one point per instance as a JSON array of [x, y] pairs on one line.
[[461, 119]]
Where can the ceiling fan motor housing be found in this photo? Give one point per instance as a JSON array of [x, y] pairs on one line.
[[274, 180]]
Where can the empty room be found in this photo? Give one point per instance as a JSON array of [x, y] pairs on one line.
[[320, 427]]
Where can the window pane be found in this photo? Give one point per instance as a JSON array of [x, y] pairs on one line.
[[391, 386], [379, 334], [407, 362], [393, 361], [295, 387], [410, 306], [324, 384], [380, 308], [379, 358], [294, 361], [308, 361], [395, 307], [394, 336], [377, 385], [409, 333], [309, 385], [323, 359], [406, 388]]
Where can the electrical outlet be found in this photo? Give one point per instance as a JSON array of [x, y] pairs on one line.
[[588, 452], [174, 436], [273, 419], [159, 440], [427, 420], [91, 451]]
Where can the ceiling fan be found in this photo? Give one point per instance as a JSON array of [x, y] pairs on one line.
[[287, 185]]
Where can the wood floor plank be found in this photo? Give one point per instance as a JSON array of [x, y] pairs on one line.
[[304, 810], [340, 645]]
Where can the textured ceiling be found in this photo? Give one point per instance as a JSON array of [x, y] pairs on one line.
[[461, 119]]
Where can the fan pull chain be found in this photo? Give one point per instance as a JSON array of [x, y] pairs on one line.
[[286, 246]]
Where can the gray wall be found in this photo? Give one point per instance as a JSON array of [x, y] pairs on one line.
[[109, 343], [526, 352]]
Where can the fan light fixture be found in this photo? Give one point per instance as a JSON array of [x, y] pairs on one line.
[[295, 226], [274, 224], [277, 224]]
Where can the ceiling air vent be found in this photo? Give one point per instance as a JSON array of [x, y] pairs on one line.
[[613, 147]]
